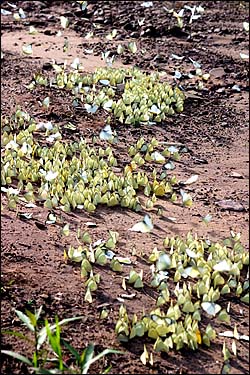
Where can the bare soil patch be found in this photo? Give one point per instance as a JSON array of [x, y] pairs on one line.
[[213, 128]]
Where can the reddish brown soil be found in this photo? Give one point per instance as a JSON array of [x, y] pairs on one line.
[[214, 128]]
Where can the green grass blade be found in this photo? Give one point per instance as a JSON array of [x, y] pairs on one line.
[[25, 319], [86, 357], [106, 371], [72, 350], [51, 337], [103, 353], [42, 335], [32, 318], [46, 371], [18, 356], [68, 320], [38, 312]]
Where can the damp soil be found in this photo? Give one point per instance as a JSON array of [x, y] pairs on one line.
[[213, 129]]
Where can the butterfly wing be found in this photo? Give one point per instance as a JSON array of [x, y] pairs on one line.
[[148, 222], [106, 133]]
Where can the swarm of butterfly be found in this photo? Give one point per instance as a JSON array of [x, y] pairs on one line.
[[199, 283], [200, 278], [131, 95]]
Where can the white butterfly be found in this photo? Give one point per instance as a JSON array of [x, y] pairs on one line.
[[104, 82], [106, 134], [91, 108], [191, 253], [163, 262], [51, 175], [211, 308], [172, 149], [222, 266], [158, 157], [107, 105], [27, 49], [154, 109], [144, 226]]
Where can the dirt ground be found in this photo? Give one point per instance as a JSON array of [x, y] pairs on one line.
[[213, 127]]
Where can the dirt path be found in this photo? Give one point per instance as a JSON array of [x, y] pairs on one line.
[[213, 128]]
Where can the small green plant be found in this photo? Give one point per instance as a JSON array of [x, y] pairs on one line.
[[51, 334]]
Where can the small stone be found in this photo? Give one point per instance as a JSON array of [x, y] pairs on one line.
[[217, 72]]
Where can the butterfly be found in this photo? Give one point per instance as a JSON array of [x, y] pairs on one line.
[[106, 133], [158, 157], [211, 308], [222, 266], [163, 262], [154, 109], [91, 108], [144, 226]]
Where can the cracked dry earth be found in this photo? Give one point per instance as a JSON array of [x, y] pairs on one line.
[[213, 128]]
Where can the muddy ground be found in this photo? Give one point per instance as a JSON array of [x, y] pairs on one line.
[[213, 128]]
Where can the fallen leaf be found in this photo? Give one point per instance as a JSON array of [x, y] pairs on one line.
[[226, 334], [236, 175], [90, 224], [128, 296], [177, 57], [30, 205], [25, 216]]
